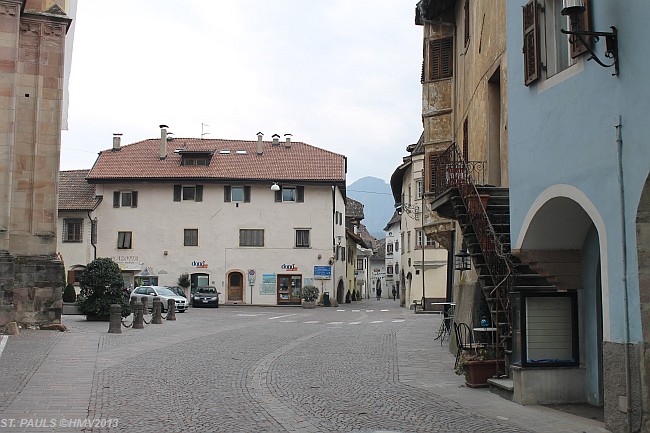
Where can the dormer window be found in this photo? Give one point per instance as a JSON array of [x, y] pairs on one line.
[[195, 158]]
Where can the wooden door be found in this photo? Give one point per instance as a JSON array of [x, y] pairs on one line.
[[235, 287]]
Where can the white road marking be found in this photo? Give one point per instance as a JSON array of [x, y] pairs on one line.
[[287, 321], [3, 342], [399, 321], [384, 310], [281, 317], [354, 323], [369, 311], [248, 315], [335, 323], [355, 311], [340, 310], [312, 321], [377, 321]]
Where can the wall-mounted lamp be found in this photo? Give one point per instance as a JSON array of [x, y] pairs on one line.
[[462, 259], [574, 9], [165, 252], [275, 187], [412, 211]]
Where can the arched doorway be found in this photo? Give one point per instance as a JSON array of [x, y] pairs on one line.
[[561, 241], [235, 287], [340, 293]]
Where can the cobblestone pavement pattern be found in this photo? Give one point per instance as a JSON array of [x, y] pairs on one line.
[[364, 367]]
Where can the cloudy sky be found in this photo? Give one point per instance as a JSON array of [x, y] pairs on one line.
[[338, 74]]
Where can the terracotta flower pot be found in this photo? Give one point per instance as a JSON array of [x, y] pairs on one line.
[[477, 373]]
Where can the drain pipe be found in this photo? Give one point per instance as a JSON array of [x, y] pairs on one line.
[[626, 322], [91, 237]]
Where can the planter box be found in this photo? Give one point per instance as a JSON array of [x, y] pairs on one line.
[[477, 373], [308, 304], [70, 308]]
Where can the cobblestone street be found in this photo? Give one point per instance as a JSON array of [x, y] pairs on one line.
[[362, 367]]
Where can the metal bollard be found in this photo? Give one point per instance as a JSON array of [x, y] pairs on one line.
[[171, 309], [115, 321], [138, 315], [156, 318]]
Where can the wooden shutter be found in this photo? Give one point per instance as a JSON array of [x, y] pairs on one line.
[[177, 192], [247, 194], [466, 22], [584, 24], [440, 59], [227, 193], [300, 194], [532, 59], [278, 195], [134, 198], [116, 199], [71, 277], [199, 193]]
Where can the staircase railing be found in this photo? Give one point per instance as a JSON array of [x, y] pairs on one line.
[[452, 171]]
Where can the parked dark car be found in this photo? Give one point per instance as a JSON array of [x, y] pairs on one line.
[[206, 297], [178, 290]]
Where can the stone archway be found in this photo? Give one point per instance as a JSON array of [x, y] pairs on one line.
[[643, 255]]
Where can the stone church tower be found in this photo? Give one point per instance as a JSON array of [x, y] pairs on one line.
[[32, 46]]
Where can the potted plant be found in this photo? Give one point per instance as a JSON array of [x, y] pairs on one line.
[[477, 366], [69, 299], [309, 295], [185, 283]]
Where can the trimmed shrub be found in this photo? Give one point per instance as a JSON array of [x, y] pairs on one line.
[[69, 294], [101, 285]]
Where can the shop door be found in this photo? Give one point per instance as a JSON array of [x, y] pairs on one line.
[[199, 280], [235, 287], [289, 287]]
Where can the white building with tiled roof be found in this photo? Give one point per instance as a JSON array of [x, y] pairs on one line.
[[257, 219]]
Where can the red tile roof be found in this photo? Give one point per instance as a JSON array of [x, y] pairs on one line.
[[141, 160], [74, 192]]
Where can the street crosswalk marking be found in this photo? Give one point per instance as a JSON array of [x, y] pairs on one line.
[[340, 311], [355, 311], [312, 321], [377, 321], [354, 323], [369, 311], [384, 310]]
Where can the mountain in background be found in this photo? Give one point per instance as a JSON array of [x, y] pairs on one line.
[[378, 205]]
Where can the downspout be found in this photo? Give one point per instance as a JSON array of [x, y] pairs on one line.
[[91, 237], [334, 293], [626, 322]]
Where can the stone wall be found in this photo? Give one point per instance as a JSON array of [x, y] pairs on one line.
[[614, 384], [30, 289]]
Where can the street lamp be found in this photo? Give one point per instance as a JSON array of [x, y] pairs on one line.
[[462, 260]]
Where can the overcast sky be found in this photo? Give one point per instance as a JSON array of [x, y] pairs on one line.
[[341, 75]]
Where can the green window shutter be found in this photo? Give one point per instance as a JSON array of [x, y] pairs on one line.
[[226, 193], [134, 199], [199, 193], [177, 192], [247, 194], [300, 194], [532, 57], [116, 199], [278, 195]]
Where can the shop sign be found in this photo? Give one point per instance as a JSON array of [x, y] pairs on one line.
[[322, 272], [289, 267], [200, 264]]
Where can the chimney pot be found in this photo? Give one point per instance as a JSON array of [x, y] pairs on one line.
[[276, 140], [259, 143], [163, 141], [287, 140], [117, 140]]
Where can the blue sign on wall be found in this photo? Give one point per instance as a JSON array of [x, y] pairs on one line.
[[322, 272]]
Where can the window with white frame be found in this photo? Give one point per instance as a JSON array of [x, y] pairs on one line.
[[360, 266], [389, 248], [238, 193], [124, 240], [290, 194], [302, 238], [188, 192], [73, 229], [389, 270], [419, 188], [125, 199]]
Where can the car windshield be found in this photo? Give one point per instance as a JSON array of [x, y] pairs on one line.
[[165, 291], [207, 290]]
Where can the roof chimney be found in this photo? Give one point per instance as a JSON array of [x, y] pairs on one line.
[[287, 140], [117, 140], [276, 140], [163, 141], [259, 143]]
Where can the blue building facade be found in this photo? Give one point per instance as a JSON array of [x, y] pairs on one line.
[[579, 159]]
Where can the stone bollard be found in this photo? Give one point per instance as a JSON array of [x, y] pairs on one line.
[[156, 318], [144, 302], [138, 315], [115, 321], [171, 309]]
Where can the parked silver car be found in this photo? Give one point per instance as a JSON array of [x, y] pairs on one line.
[[164, 293]]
